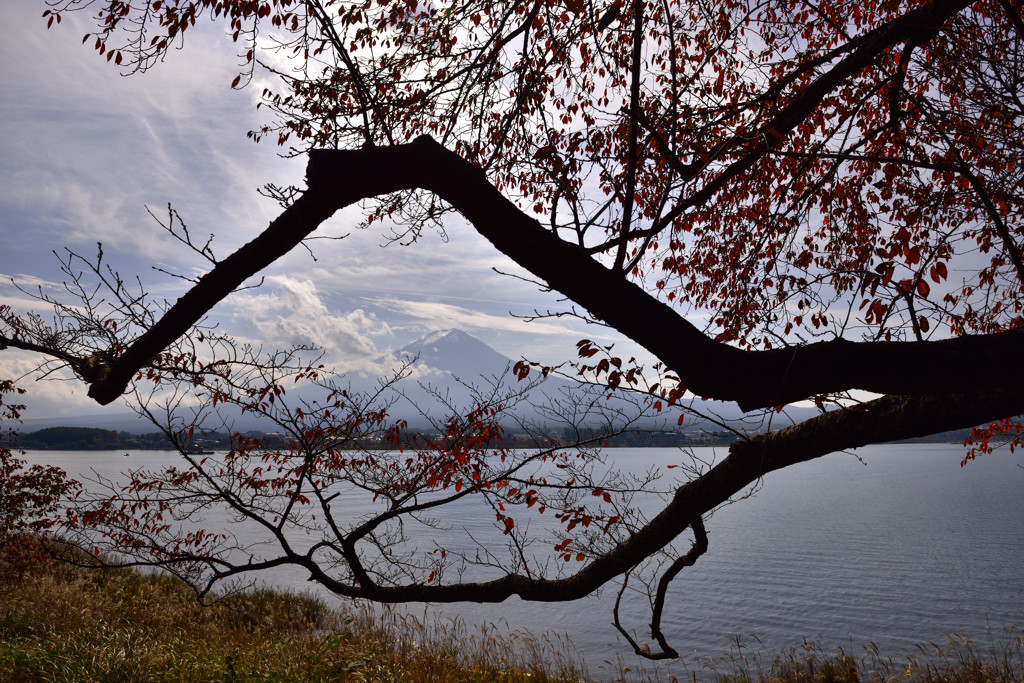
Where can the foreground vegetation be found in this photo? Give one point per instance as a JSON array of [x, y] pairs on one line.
[[956, 659], [62, 623]]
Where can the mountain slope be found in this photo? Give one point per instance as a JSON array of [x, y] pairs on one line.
[[455, 352], [465, 357], [444, 362]]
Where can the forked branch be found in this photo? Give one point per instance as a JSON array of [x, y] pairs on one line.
[[754, 379]]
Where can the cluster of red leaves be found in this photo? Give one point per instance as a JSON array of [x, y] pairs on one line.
[[614, 372], [734, 174], [1006, 432], [867, 199], [30, 498]]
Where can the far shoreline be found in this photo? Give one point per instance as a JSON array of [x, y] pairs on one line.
[[86, 439]]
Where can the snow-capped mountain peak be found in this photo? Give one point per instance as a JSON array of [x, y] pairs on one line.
[[456, 352]]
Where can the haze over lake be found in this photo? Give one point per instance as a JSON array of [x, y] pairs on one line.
[[892, 545]]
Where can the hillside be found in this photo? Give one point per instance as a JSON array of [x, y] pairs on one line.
[[445, 362], [70, 438], [88, 438]]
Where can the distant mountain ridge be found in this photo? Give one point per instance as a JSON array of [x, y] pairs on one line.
[[451, 353], [469, 359], [442, 357], [456, 352], [463, 356]]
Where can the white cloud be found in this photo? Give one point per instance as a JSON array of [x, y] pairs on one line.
[[293, 313], [438, 315], [28, 283], [60, 394], [85, 150]]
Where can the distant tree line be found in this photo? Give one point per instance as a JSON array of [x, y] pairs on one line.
[[93, 439]]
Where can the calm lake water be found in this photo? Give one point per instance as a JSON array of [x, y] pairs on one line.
[[892, 545]]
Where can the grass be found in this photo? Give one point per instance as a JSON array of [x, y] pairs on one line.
[[63, 623], [957, 659], [68, 624]]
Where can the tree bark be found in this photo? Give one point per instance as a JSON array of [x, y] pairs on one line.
[[886, 419], [753, 379]]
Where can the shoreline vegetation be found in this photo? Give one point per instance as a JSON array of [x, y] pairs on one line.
[[95, 439], [65, 623]]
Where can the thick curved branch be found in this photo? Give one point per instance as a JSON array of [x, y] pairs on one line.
[[886, 419], [15, 343], [304, 216], [754, 379]]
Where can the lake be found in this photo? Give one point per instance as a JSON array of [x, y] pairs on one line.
[[890, 544]]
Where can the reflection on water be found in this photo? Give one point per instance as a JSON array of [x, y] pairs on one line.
[[893, 546]]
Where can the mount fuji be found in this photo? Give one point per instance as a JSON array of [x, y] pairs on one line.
[[447, 358], [455, 352], [444, 364]]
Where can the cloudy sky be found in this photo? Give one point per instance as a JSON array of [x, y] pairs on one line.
[[86, 151]]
